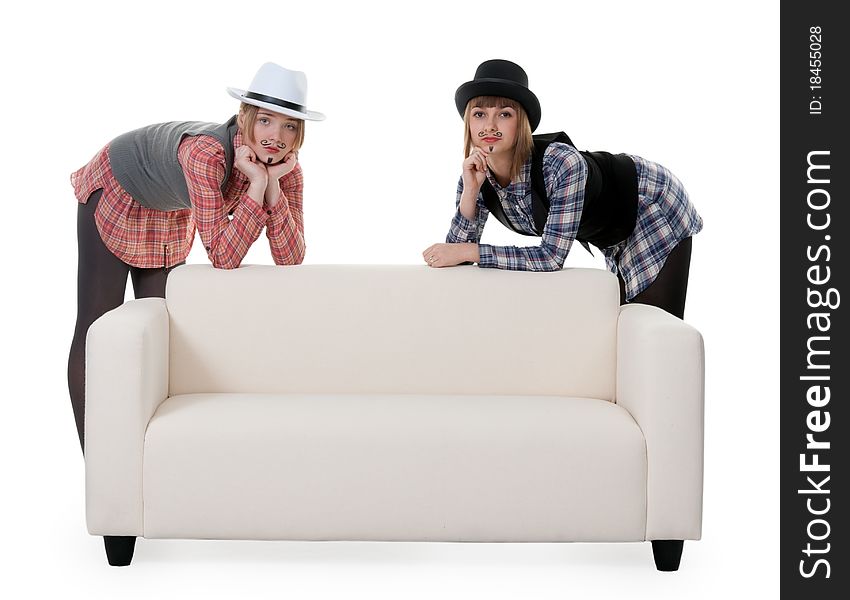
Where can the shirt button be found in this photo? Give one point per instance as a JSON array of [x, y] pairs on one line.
[[208, 248], [268, 212]]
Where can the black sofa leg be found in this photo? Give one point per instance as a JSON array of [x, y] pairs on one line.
[[119, 549], [667, 554]]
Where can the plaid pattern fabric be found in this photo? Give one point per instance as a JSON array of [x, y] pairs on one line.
[[665, 217], [227, 223]]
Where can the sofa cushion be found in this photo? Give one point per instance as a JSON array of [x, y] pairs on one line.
[[394, 467], [392, 330]]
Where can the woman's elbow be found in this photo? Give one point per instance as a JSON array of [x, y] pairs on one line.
[[552, 260], [225, 266], [549, 265], [220, 262], [296, 257], [299, 254], [295, 260]]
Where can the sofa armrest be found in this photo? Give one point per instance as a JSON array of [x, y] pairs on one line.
[[661, 381], [126, 380]]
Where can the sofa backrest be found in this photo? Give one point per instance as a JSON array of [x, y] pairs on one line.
[[392, 329]]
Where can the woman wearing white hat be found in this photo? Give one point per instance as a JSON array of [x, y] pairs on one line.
[[144, 194]]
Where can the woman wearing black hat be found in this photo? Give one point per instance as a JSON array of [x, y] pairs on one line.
[[634, 210]]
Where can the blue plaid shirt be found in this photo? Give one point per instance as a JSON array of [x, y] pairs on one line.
[[665, 217]]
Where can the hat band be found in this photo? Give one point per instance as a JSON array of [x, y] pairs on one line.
[[277, 101]]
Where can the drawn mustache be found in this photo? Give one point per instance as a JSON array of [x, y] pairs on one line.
[[265, 143], [482, 134]]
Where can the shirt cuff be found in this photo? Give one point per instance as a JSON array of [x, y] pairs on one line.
[[462, 229], [486, 256]]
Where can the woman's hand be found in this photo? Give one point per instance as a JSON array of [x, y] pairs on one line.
[[280, 169], [475, 169], [276, 173], [449, 255], [246, 161]]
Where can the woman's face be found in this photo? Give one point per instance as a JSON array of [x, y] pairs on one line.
[[493, 127], [274, 136]]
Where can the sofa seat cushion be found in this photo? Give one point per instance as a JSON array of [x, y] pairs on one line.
[[394, 467]]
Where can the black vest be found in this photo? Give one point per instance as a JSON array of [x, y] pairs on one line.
[[610, 195]]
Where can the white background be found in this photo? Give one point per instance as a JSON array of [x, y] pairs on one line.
[[694, 86]]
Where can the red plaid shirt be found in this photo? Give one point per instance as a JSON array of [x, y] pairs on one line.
[[227, 223]]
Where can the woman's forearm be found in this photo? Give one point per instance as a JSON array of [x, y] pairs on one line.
[[256, 191], [468, 206], [272, 193]]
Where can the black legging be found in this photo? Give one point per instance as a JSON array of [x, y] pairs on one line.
[[101, 281], [670, 287]]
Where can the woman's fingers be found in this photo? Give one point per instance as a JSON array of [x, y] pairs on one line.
[[481, 157], [477, 160], [430, 255], [244, 155], [245, 152]]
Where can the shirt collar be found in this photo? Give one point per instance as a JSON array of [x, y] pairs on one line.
[[518, 185]]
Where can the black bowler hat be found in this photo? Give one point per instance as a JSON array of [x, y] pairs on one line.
[[500, 78]]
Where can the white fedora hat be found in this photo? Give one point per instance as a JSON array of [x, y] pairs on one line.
[[278, 90]]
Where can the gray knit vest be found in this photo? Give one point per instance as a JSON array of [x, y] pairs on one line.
[[144, 161]]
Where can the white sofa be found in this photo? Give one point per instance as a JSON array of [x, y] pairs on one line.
[[393, 403]]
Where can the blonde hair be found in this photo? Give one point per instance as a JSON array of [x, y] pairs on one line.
[[524, 141], [248, 112]]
